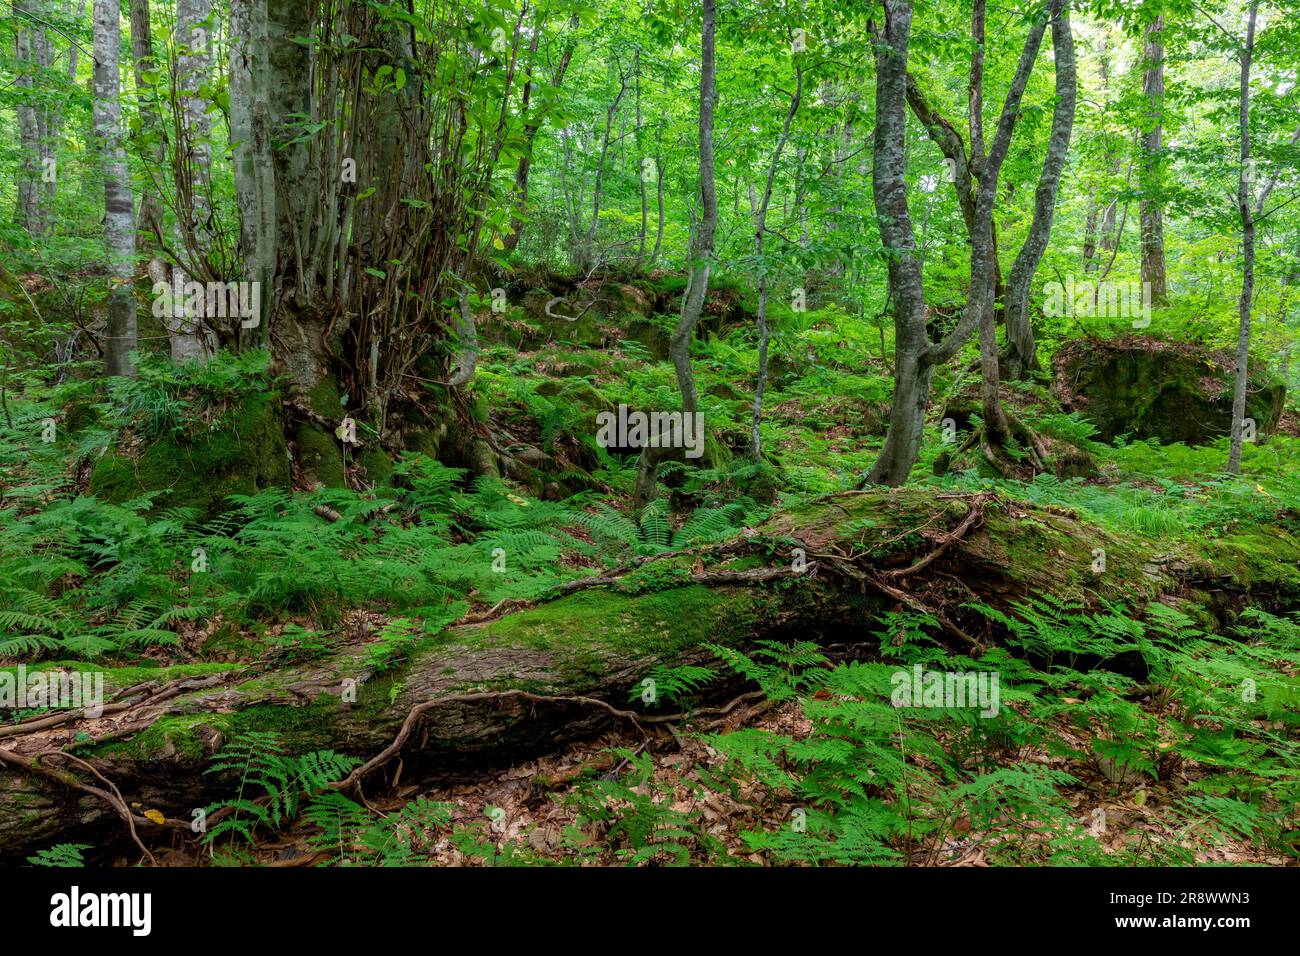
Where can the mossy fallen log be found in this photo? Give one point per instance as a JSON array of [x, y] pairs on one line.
[[822, 572]]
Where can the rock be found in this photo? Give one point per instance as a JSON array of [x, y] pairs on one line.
[[246, 454], [1171, 391]]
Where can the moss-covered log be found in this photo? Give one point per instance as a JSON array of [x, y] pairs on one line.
[[858, 554]]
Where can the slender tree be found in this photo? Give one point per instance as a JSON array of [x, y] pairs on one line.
[[701, 256], [119, 209], [1245, 203], [760, 230], [1151, 212]]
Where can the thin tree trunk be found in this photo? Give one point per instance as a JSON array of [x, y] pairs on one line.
[[119, 211], [679, 347], [28, 37], [659, 190], [760, 229], [1021, 353], [889, 189], [1150, 211], [530, 137], [640, 158], [1245, 201], [914, 356]]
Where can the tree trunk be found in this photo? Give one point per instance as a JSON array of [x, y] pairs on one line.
[[760, 229], [640, 158], [889, 189], [487, 692], [149, 222], [188, 333], [1150, 210], [119, 211], [29, 40], [1245, 202], [914, 356], [255, 182], [1021, 354], [697, 287], [530, 138]]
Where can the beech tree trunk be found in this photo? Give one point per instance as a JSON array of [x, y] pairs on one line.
[[1245, 202], [697, 287], [914, 354], [1151, 213], [188, 333], [255, 181], [31, 50], [149, 221], [119, 210], [1021, 356]]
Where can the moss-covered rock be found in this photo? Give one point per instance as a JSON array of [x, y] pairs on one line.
[[319, 456], [1170, 391], [245, 455], [377, 463]]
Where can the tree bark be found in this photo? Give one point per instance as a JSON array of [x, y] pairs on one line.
[[914, 355], [255, 182], [1245, 202], [697, 287], [1151, 213], [1021, 356], [149, 222], [29, 40], [530, 138], [119, 210], [760, 229]]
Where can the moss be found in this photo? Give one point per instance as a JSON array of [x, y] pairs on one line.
[[325, 399], [664, 622], [117, 678], [1258, 558], [576, 391], [247, 455], [193, 738], [424, 441], [378, 465], [81, 415], [319, 455], [1173, 392]]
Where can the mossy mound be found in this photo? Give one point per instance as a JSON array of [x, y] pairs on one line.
[[201, 471], [1171, 391]]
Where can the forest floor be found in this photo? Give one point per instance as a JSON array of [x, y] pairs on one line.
[[497, 633]]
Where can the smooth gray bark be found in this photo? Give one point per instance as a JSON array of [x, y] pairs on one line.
[[1245, 203], [760, 229], [119, 210], [697, 288], [1021, 353], [914, 355], [250, 132], [1151, 213]]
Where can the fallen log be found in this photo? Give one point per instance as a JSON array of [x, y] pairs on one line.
[[519, 684]]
